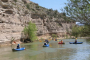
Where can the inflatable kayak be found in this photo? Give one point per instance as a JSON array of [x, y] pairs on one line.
[[75, 43], [61, 43], [23, 48], [46, 45]]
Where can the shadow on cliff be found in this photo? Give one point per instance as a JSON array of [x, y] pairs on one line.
[[25, 40]]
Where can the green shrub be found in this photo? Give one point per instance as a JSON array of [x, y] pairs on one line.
[[54, 35], [30, 31], [28, 7], [15, 0]]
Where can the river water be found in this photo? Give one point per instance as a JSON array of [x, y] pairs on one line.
[[35, 51]]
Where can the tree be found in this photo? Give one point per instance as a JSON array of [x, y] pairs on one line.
[[85, 31], [80, 31], [75, 31], [30, 31], [78, 10]]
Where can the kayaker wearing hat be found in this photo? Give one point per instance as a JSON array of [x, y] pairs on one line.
[[18, 46]]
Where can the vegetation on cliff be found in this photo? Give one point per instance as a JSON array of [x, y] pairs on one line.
[[42, 12], [54, 36]]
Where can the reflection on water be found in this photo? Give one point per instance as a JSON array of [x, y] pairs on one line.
[[35, 51]]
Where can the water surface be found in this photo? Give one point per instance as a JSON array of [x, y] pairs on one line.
[[35, 51]]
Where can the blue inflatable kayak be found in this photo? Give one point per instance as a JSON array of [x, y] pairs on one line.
[[75, 43], [23, 48], [46, 45]]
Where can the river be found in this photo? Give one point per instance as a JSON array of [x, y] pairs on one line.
[[35, 51]]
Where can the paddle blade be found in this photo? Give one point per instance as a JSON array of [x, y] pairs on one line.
[[40, 41], [14, 42]]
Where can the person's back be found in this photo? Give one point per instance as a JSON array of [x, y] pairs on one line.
[[45, 43], [55, 39], [76, 40], [18, 46]]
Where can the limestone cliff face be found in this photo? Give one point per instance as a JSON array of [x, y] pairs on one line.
[[14, 16]]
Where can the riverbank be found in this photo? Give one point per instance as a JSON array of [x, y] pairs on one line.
[[84, 37], [8, 43], [41, 39]]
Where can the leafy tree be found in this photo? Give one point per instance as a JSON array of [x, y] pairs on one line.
[[78, 10], [30, 31], [85, 31], [81, 31], [75, 31]]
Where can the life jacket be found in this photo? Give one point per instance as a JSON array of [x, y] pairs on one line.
[[18, 46], [61, 41], [75, 41]]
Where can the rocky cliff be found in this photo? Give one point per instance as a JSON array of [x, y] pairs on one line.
[[15, 15]]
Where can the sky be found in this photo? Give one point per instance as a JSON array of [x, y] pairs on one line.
[[54, 4], [80, 24]]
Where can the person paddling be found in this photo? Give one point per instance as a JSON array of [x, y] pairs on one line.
[[18, 46], [45, 43], [56, 39], [76, 40], [61, 41]]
